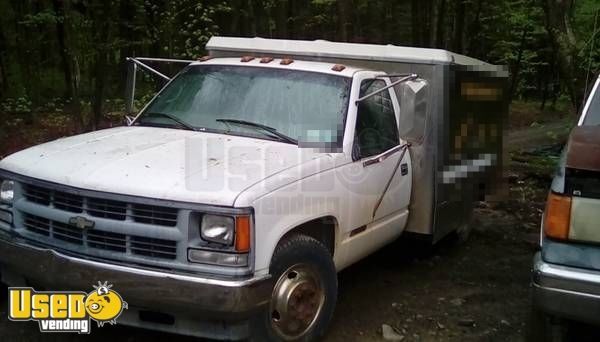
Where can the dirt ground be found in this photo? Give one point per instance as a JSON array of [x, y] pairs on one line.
[[462, 290]]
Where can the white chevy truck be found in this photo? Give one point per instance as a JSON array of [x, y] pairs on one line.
[[226, 206]]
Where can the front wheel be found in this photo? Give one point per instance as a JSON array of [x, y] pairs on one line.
[[304, 295]]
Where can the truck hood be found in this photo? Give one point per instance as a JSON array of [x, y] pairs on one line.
[[159, 163]]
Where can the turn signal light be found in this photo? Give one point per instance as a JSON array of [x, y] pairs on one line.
[[242, 233], [558, 216]]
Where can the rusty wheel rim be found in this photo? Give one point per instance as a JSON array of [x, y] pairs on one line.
[[297, 301]]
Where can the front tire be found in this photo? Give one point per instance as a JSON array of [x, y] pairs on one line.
[[304, 294]]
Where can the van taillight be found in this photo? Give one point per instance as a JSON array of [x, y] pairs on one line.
[[558, 216]]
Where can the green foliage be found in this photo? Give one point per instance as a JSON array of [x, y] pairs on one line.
[[587, 26], [70, 54], [184, 26], [18, 105], [41, 18]]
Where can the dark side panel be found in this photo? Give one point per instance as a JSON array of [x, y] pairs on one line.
[[470, 154]]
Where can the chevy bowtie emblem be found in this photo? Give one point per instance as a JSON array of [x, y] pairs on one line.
[[81, 222]]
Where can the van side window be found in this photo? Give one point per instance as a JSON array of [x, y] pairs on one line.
[[376, 127]]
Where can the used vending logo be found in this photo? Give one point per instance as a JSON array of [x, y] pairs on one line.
[[66, 311]]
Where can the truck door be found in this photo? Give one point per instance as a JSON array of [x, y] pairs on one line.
[[381, 192]]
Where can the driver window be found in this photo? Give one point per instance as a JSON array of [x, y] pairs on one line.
[[376, 127]]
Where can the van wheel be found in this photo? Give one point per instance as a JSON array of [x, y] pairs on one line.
[[304, 295]]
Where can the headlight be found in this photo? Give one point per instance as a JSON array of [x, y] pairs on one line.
[[219, 229], [7, 191]]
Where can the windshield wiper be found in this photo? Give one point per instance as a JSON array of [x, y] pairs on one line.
[[173, 118], [268, 129]]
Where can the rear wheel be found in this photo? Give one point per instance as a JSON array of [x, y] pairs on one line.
[[304, 295]]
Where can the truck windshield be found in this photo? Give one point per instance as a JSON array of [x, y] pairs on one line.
[[307, 107], [592, 117]]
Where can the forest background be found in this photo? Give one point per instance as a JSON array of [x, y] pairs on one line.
[[64, 60]]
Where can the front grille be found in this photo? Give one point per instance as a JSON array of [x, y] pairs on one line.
[[102, 240], [99, 207], [68, 202], [158, 248], [67, 233], [37, 225], [108, 209], [37, 194], [108, 241], [151, 214]]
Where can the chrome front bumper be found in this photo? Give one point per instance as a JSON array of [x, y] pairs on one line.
[[217, 308], [566, 292]]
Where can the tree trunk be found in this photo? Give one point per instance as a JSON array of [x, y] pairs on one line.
[[251, 18], [153, 21], [3, 49], [127, 34], [517, 66], [459, 25], [558, 25], [425, 19], [544, 94], [416, 24], [101, 67], [440, 25], [59, 9], [99, 88], [281, 19], [420, 22], [473, 41], [23, 46], [344, 19], [69, 65]]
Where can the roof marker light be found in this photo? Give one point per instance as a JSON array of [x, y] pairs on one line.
[[286, 61], [338, 67], [265, 60], [246, 59]]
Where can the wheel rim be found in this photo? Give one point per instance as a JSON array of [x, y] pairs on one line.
[[297, 300]]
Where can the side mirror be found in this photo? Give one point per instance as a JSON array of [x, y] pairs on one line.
[[413, 110]]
